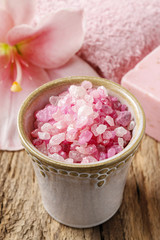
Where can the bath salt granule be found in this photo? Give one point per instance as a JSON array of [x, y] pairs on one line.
[[82, 125]]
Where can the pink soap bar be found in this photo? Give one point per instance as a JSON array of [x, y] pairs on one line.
[[144, 82]]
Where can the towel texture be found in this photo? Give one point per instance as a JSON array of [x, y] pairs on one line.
[[118, 34]]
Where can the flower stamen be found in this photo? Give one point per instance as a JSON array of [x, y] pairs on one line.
[[16, 87]]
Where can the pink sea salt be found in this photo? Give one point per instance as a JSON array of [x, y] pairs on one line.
[[82, 125]]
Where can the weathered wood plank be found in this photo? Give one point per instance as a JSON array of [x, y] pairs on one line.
[[22, 215]]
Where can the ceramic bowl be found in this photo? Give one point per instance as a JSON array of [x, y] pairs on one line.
[[80, 195]]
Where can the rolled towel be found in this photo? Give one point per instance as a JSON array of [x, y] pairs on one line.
[[118, 34]]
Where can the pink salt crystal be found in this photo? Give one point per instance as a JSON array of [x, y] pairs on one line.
[[117, 105], [102, 156], [102, 91], [85, 111], [54, 149], [124, 107], [37, 142], [77, 91], [105, 142], [42, 148], [62, 124], [63, 154], [71, 135], [99, 139], [90, 120], [95, 93], [101, 129], [84, 161], [54, 100], [46, 127], [101, 148], [86, 84], [88, 98], [109, 120], [89, 159], [90, 149], [95, 115], [75, 144], [76, 156], [93, 129], [65, 101], [44, 135], [121, 142], [118, 148], [107, 109], [131, 125], [81, 122], [45, 114], [111, 152], [98, 105], [127, 136], [65, 146], [85, 137], [57, 116], [34, 133], [56, 157], [69, 160], [107, 135], [120, 131], [123, 118], [57, 139]]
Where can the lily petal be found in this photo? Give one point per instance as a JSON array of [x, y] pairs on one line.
[[74, 67], [54, 41], [3, 4], [22, 11], [10, 103], [4, 60], [6, 23]]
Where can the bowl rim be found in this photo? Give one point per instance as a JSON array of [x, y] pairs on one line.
[[126, 153]]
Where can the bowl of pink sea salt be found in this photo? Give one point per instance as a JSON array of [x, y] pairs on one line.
[[81, 133]]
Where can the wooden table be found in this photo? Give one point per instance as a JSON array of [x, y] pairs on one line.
[[22, 216]]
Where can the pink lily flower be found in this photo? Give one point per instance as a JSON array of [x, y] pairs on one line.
[[26, 50], [32, 54]]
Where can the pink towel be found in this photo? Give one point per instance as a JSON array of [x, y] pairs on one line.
[[118, 34]]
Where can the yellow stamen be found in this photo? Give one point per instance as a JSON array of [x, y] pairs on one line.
[[16, 87]]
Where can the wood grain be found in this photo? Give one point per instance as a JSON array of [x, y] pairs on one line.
[[22, 216]]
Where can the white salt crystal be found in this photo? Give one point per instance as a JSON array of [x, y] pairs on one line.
[[44, 135], [131, 125], [69, 160], [93, 129], [121, 142], [88, 98], [85, 111], [104, 90], [107, 135], [46, 127], [56, 157], [77, 91], [57, 139], [109, 120], [54, 149], [120, 131], [101, 129], [54, 100], [86, 84], [89, 159]]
